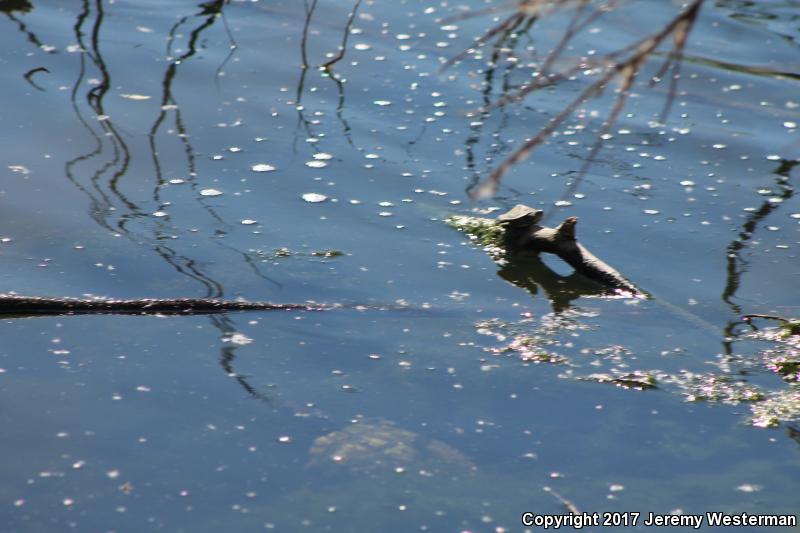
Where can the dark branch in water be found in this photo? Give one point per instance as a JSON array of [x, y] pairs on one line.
[[15, 305]]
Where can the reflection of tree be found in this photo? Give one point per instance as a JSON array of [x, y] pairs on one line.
[[503, 57], [623, 65], [22, 6], [326, 68], [9, 6], [736, 264], [110, 158], [793, 433], [227, 357]]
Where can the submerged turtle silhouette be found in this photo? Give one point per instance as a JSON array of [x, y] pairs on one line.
[[373, 445]]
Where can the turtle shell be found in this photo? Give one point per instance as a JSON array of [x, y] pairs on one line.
[[521, 216], [373, 445]]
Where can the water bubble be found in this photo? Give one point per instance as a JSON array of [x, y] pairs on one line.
[[262, 167]]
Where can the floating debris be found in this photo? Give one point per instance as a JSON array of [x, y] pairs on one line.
[[240, 339], [716, 388], [314, 198], [136, 96], [638, 379], [286, 252], [783, 406], [327, 253], [210, 192], [19, 169], [262, 167]]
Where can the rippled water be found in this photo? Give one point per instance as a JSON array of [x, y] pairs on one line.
[[158, 149]]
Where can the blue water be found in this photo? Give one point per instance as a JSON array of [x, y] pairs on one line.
[[204, 423]]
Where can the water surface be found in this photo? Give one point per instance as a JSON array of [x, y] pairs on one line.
[[166, 151]]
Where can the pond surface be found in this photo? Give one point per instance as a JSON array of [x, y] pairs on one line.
[[163, 149]]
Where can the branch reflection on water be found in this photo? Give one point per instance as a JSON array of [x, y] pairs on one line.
[[737, 265], [504, 57], [327, 71], [100, 172], [8, 7]]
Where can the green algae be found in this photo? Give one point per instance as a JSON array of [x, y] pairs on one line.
[[713, 387], [282, 253], [637, 379], [484, 232], [777, 407]]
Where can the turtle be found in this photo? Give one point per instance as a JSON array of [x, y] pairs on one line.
[[520, 222], [373, 446], [521, 216]]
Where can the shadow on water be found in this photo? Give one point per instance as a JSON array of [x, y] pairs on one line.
[[528, 272]]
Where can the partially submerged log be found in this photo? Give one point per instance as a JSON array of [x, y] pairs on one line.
[[523, 233], [18, 306]]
